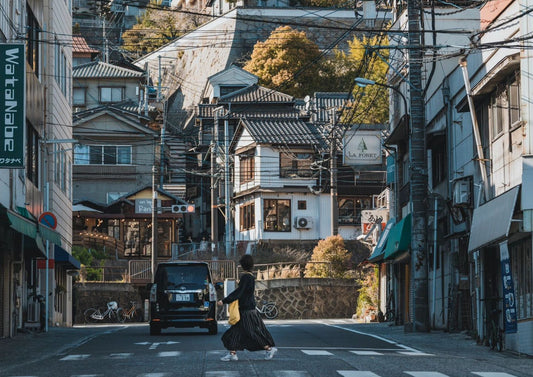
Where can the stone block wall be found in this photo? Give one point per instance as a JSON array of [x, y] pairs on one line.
[[97, 295], [309, 298], [295, 298]]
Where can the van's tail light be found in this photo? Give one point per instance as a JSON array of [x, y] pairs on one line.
[[212, 292], [153, 293]]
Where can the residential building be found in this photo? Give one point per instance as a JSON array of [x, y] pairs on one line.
[[35, 262], [478, 126]]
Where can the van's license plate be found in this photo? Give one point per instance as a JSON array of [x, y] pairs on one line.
[[182, 297]]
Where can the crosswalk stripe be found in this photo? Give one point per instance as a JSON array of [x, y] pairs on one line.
[[410, 353], [169, 354], [493, 374], [366, 353], [426, 374], [317, 353], [124, 355], [74, 357], [291, 373], [356, 373]]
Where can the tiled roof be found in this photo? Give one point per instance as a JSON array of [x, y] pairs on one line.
[[103, 70], [127, 107], [256, 93], [79, 45], [288, 131], [207, 111]]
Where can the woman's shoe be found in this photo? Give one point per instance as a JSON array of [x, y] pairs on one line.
[[270, 353], [230, 357]]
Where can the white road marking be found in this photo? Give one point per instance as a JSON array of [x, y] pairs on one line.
[[169, 354], [317, 352], [124, 355], [356, 373], [426, 374], [415, 353], [366, 353], [74, 357], [493, 374]]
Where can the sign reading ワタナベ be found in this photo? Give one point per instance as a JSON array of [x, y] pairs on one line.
[[12, 105]]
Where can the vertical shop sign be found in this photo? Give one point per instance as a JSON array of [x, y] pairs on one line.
[[12, 105], [509, 302]]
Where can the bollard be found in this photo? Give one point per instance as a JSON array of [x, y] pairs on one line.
[[146, 310]]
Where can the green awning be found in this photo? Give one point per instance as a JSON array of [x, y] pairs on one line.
[[379, 251], [399, 238], [49, 234], [22, 224]]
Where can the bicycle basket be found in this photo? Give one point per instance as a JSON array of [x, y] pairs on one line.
[[112, 305]]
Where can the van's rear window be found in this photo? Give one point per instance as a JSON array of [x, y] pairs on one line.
[[184, 275]]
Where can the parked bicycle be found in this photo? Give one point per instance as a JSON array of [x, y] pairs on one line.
[[269, 310], [389, 314], [495, 333], [133, 313], [93, 315]]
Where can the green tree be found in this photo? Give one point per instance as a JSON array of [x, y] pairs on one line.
[[286, 61], [91, 260], [331, 250], [157, 27], [371, 104]]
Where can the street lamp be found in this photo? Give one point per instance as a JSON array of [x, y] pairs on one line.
[[362, 82]]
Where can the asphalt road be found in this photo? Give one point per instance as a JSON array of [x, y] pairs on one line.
[[319, 348]]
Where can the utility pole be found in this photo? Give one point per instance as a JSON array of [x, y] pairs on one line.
[[154, 220], [333, 174], [227, 193], [419, 310], [214, 196]]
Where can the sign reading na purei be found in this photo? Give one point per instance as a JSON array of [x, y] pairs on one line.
[[12, 105]]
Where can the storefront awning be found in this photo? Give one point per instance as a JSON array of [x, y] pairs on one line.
[[34, 247], [63, 256], [379, 250], [399, 238], [22, 224], [49, 234], [492, 220]]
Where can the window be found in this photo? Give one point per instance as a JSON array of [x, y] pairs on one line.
[[102, 155], [33, 43], [61, 68], [111, 95], [302, 204], [247, 216], [295, 165], [277, 215], [247, 167], [438, 160], [78, 96], [350, 210], [227, 89], [504, 107]]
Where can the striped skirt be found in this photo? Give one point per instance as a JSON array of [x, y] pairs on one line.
[[250, 333]]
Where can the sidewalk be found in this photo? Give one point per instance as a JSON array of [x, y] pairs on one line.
[[15, 351]]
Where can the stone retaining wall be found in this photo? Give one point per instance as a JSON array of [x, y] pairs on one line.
[[310, 298], [295, 298]]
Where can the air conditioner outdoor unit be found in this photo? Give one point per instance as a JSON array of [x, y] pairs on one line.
[[461, 193], [303, 222]]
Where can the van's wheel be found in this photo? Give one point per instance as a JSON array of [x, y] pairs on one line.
[[213, 328], [155, 330]]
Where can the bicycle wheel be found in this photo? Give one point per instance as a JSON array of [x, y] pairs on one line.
[[121, 317], [271, 311], [389, 316], [92, 315], [137, 315]]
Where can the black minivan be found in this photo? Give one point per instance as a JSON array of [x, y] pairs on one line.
[[183, 295]]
